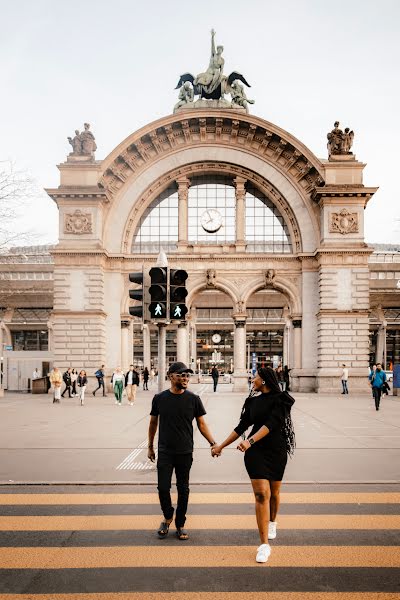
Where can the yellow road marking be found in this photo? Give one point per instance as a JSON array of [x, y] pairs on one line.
[[228, 522], [204, 556], [202, 498]]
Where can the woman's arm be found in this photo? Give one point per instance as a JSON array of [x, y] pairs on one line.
[[245, 444]]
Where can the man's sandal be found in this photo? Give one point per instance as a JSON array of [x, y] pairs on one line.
[[163, 529], [182, 534]]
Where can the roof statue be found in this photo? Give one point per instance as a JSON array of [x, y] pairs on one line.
[[340, 142], [212, 86], [83, 144]]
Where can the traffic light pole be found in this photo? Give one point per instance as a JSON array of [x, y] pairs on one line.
[[162, 351]]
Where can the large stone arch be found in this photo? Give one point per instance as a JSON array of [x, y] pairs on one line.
[[223, 285], [140, 165], [281, 284]]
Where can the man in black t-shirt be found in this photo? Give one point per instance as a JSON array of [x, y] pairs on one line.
[[174, 410]]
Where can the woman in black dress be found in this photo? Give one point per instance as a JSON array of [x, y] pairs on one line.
[[266, 449]]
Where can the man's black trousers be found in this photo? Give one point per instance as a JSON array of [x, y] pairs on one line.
[[100, 381], [377, 396], [166, 463]]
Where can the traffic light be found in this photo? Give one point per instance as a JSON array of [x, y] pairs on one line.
[[137, 294], [158, 292], [177, 294]]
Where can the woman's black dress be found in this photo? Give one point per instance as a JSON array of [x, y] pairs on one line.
[[267, 458]]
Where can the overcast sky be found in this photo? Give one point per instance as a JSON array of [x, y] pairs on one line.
[[116, 64]]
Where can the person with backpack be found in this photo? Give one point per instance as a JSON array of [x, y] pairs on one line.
[[377, 379], [67, 381], [271, 440], [100, 381], [131, 383]]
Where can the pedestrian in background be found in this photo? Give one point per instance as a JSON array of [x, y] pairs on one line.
[[377, 380], [117, 381], [266, 449], [173, 410], [286, 377], [100, 381], [146, 375], [281, 378], [56, 381], [74, 377], [131, 383], [35, 374], [215, 376], [370, 375], [67, 381], [82, 383], [345, 378]]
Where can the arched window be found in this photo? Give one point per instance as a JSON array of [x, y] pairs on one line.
[[158, 225], [266, 230]]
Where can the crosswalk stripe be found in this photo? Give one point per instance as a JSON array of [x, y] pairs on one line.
[[207, 596], [200, 498], [228, 522], [205, 556]]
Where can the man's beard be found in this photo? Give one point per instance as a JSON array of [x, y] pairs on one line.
[[180, 385]]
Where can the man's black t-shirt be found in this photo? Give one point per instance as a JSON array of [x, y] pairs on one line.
[[176, 413]]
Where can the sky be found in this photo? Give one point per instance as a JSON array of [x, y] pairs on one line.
[[116, 64]]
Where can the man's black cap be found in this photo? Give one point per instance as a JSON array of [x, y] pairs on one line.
[[179, 367]]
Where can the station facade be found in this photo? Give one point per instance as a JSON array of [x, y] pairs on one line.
[[272, 238]]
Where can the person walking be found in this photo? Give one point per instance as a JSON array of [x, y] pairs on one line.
[[146, 376], [131, 383], [117, 381], [377, 380], [286, 377], [173, 411], [56, 381], [345, 378], [74, 377], [67, 381], [35, 374], [81, 380], [370, 375], [100, 381], [215, 376], [281, 377], [266, 449]]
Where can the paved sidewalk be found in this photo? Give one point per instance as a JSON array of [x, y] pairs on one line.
[[339, 439]]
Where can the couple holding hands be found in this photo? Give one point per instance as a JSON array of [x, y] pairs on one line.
[[266, 411]]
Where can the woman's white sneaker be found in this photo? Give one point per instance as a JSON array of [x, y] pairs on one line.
[[263, 553], [272, 530]]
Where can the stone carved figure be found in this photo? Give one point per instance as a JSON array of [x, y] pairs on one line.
[[239, 97], [240, 307], [269, 277], [186, 95], [83, 144], [78, 222], [211, 276], [212, 84], [339, 142], [76, 143]]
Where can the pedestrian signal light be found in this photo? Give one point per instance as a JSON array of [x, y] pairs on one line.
[[136, 294], [177, 294], [158, 293]]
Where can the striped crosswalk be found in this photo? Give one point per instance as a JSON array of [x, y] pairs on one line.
[[87, 543]]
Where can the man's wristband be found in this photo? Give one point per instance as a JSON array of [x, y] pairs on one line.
[[212, 444]]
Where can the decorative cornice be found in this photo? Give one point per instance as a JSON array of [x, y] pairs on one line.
[[214, 128]]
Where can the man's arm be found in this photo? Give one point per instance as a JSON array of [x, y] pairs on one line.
[[204, 430], [152, 432]]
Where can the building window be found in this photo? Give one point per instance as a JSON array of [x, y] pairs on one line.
[[266, 230], [211, 192], [30, 340], [158, 225]]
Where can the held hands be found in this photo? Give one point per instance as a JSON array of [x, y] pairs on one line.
[[151, 455], [243, 446], [216, 451]]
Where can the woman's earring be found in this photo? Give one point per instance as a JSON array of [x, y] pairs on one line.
[[263, 382]]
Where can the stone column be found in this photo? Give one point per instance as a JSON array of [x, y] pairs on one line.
[[126, 356], [182, 343], [287, 335], [240, 211], [297, 343], [381, 344], [146, 347], [240, 383], [193, 345], [183, 194], [1, 359], [50, 335]]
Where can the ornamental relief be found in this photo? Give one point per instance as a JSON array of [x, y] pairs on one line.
[[78, 222], [343, 222]]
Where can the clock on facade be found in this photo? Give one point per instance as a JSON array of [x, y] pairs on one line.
[[216, 338], [211, 220]]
